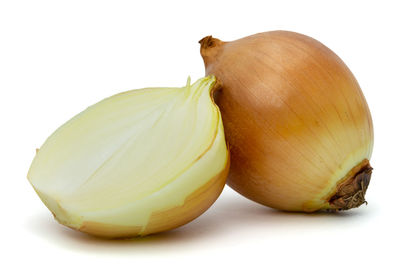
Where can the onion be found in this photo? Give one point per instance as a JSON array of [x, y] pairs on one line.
[[299, 128], [136, 163]]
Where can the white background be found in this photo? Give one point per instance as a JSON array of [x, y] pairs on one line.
[[58, 57]]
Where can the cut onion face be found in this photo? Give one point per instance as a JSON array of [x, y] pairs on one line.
[[137, 163]]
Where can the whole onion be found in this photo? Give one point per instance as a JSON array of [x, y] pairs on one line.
[[298, 125]]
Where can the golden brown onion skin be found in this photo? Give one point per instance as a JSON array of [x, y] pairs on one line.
[[299, 128]]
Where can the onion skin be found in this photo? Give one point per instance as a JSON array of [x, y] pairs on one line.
[[298, 126]]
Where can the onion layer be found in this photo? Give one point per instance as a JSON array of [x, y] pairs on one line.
[[299, 128], [136, 163]]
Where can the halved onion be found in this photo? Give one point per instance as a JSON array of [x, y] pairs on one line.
[[136, 163]]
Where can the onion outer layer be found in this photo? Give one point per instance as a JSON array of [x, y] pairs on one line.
[[137, 163], [299, 128]]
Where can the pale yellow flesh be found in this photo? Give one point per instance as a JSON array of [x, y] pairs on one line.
[[131, 155]]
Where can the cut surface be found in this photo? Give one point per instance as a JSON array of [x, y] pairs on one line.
[[115, 162]]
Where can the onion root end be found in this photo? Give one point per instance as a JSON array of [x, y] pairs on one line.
[[350, 193]]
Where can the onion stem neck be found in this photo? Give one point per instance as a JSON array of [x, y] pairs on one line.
[[209, 48]]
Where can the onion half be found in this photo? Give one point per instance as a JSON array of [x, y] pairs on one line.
[[137, 163], [299, 128]]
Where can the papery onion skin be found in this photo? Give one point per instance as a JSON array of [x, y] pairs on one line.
[[107, 133], [299, 128]]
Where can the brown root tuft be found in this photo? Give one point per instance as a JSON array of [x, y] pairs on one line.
[[351, 193]]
